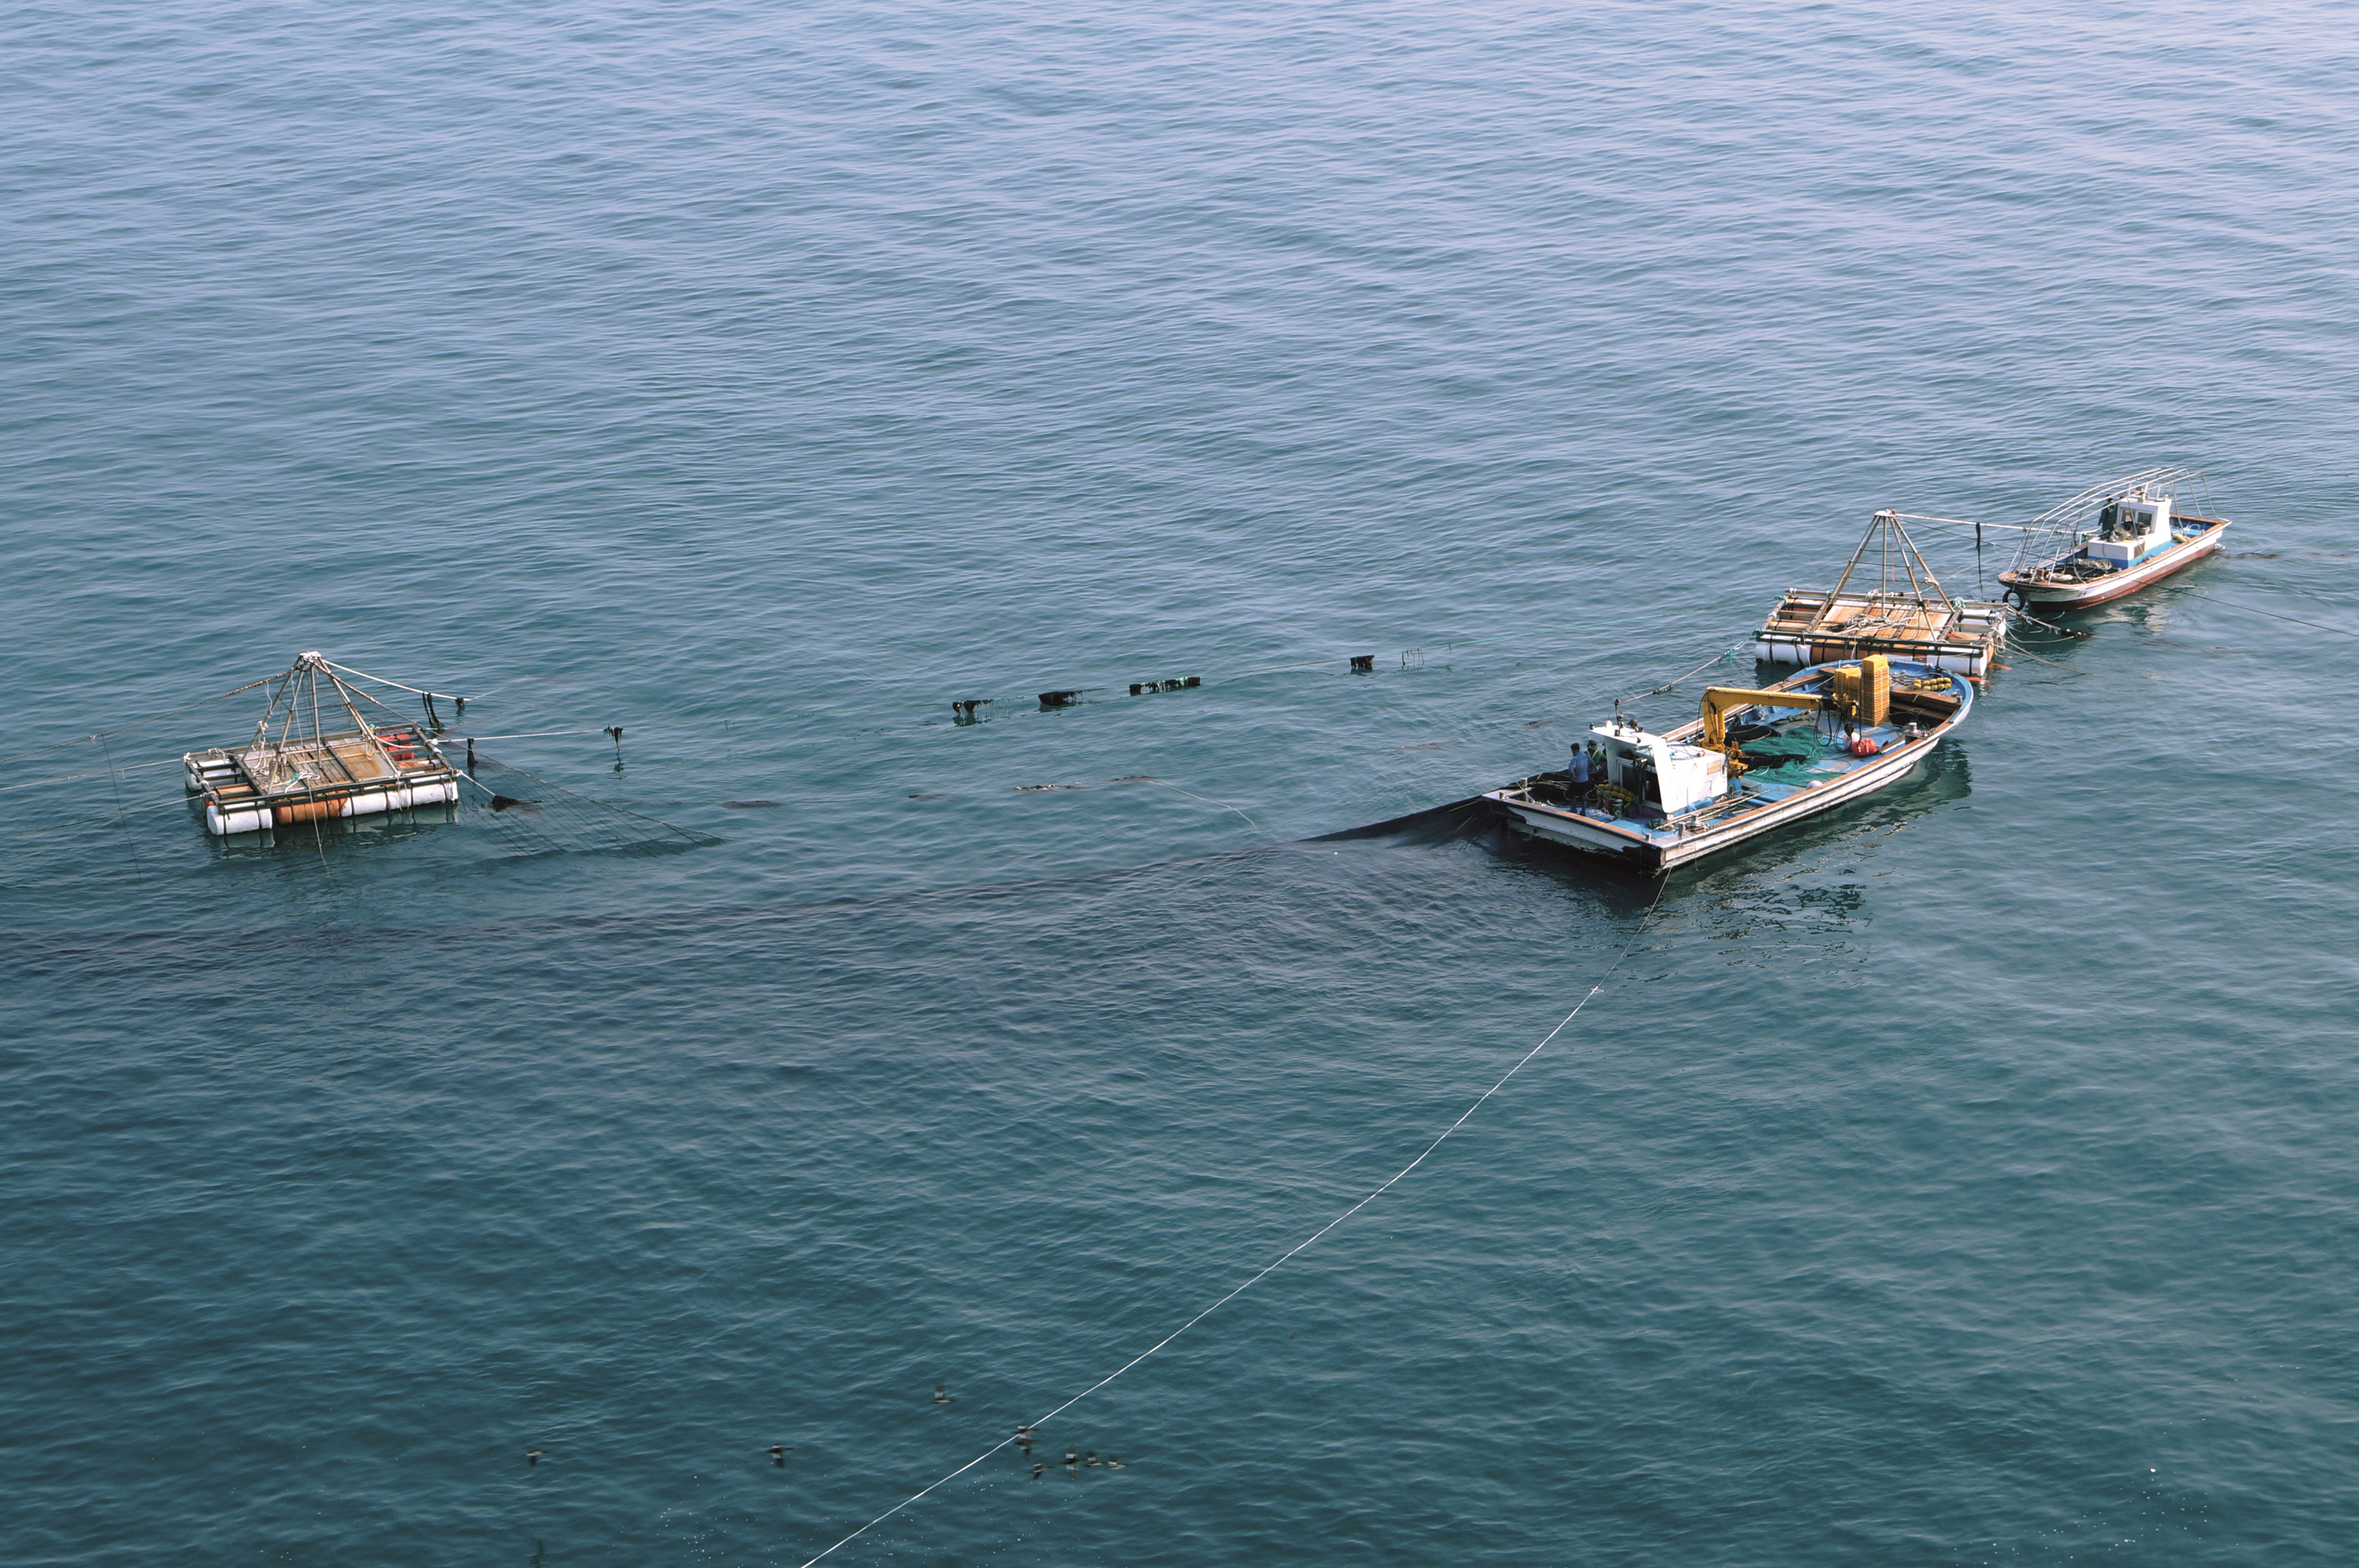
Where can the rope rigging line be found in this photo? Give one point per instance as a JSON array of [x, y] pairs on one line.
[[2016, 651], [1206, 798], [1707, 664], [1636, 932], [533, 735], [169, 712], [565, 821], [86, 822], [1968, 523], [381, 680], [399, 719], [77, 778], [1281, 669], [2314, 626], [1491, 646], [115, 780]]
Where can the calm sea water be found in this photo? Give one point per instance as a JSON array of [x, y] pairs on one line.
[[1966, 1179]]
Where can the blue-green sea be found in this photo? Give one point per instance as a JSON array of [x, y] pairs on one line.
[[1968, 1177]]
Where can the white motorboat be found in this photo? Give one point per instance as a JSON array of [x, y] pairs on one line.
[[2111, 540]]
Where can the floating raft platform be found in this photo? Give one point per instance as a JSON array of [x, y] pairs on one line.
[[1906, 615], [294, 771]]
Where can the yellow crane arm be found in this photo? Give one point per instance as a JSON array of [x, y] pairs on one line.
[[1719, 701]]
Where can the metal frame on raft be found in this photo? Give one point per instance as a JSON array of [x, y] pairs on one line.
[[1906, 615], [308, 772]]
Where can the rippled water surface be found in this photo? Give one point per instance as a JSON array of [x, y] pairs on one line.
[[1966, 1178]]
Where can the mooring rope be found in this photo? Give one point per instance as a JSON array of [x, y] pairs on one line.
[[530, 734], [381, 680], [2015, 649], [1655, 691], [86, 822], [2314, 626], [1638, 931], [77, 778], [690, 835], [1970, 523], [169, 712], [1148, 778]]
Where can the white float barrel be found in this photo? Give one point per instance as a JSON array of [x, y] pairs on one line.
[[237, 819]]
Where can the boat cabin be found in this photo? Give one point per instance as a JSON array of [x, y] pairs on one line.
[[1668, 775], [2131, 527]]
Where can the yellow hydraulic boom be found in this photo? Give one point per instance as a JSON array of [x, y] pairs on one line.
[[1861, 692], [1719, 701]]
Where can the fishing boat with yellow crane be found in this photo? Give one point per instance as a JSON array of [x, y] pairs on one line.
[[1756, 759]]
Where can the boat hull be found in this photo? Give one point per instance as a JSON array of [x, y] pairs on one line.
[[1714, 814], [2117, 584], [1575, 830]]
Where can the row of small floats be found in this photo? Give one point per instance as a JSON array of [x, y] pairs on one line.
[[1890, 660]]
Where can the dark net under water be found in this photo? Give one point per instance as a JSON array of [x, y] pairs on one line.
[[536, 817]]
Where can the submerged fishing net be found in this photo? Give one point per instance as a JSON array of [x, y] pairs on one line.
[[536, 817]]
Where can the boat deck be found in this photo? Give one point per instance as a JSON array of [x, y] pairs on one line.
[[1761, 791], [2076, 569], [1647, 821]]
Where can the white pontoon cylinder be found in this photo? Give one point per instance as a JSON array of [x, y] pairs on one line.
[[400, 797], [251, 820]]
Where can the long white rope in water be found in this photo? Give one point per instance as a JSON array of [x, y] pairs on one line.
[[1275, 1265], [2272, 614], [86, 822], [1658, 690], [76, 778], [169, 712], [1970, 523], [529, 734], [1166, 783]]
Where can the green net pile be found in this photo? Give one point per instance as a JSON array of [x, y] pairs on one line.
[[1784, 759]]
